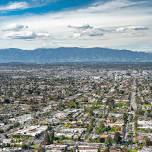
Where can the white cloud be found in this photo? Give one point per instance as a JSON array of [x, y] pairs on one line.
[[20, 35], [131, 28], [92, 31], [20, 31], [115, 5], [14, 6], [86, 30], [25, 35], [15, 27], [24, 5], [111, 5], [83, 27]]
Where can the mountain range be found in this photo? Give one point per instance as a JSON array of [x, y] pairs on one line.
[[73, 54]]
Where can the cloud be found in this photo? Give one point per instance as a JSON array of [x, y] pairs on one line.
[[20, 31], [14, 6], [25, 4], [111, 5], [91, 31], [114, 5], [42, 2], [15, 27], [83, 27], [131, 28], [20, 35], [86, 30], [26, 35]]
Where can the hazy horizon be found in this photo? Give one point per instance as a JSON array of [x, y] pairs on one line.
[[51, 48]]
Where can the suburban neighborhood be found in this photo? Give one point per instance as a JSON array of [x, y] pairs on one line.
[[75, 108]]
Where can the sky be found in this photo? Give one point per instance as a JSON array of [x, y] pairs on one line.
[[118, 24]]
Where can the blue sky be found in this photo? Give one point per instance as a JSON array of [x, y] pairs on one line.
[[43, 6], [121, 24]]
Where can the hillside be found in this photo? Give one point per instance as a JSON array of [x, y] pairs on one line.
[[72, 55]]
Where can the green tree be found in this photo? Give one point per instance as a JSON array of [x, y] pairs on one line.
[[125, 118], [101, 128], [117, 138], [108, 141], [91, 125], [148, 142], [49, 137], [41, 148]]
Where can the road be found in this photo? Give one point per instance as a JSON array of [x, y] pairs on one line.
[[130, 126], [133, 103]]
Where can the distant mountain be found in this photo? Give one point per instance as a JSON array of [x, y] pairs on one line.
[[55, 55]]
